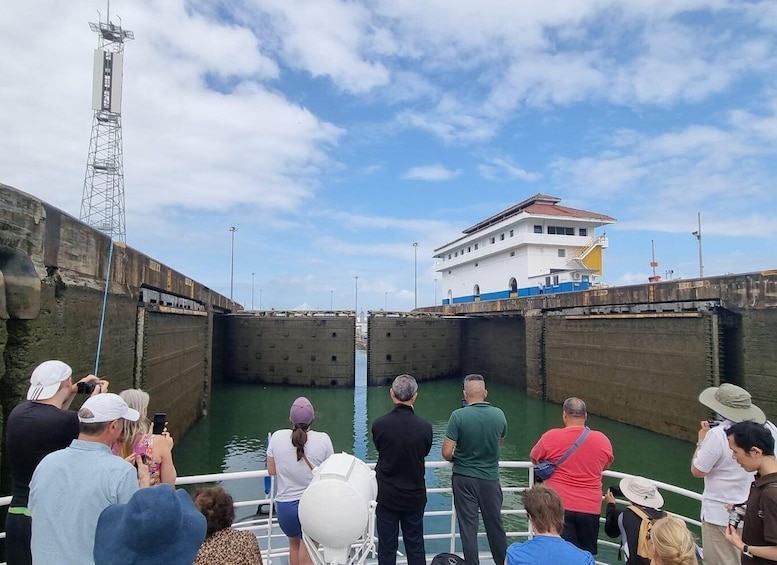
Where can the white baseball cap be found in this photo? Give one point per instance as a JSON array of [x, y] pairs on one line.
[[46, 379], [106, 407]]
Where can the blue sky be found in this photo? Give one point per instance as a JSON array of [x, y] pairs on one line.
[[334, 134]]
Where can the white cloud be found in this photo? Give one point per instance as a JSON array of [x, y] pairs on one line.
[[500, 168], [432, 173]]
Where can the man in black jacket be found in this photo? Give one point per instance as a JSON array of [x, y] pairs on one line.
[[626, 523], [402, 439]]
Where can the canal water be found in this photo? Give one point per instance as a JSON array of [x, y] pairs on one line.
[[233, 436]]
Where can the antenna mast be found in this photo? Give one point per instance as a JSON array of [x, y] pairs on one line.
[[102, 203]]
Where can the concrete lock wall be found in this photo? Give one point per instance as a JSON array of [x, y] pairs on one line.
[[495, 348], [646, 371], [759, 328], [173, 364], [310, 350], [422, 346]]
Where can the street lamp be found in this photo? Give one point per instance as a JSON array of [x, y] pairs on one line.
[[415, 274], [232, 229], [697, 233], [356, 299], [331, 299], [260, 299], [385, 305]]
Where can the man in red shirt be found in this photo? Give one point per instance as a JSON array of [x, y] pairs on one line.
[[578, 480]]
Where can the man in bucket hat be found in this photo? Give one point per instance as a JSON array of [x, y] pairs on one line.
[[627, 523], [72, 486], [36, 427], [725, 481]]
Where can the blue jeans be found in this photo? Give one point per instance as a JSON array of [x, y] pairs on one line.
[[387, 525], [469, 495]]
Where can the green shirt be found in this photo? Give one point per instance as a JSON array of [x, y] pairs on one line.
[[477, 430]]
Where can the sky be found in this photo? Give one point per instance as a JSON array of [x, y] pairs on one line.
[[335, 134]]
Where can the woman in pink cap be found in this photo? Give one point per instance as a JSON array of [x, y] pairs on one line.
[[291, 457]]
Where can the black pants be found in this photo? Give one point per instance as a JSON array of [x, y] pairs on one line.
[[387, 523], [18, 532], [581, 529]]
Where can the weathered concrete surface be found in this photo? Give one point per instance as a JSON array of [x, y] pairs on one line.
[[54, 271], [495, 348], [424, 347], [308, 350]]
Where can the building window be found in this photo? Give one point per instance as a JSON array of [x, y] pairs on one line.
[[456, 254], [583, 232], [560, 230], [476, 264], [547, 281], [555, 280], [469, 249], [502, 237], [538, 229], [551, 230], [562, 252], [449, 255], [512, 253], [449, 272], [569, 231], [493, 240], [511, 233], [476, 290], [476, 247]]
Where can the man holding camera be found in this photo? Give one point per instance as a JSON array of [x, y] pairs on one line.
[[753, 447], [72, 486], [724, 480], [36, 427]]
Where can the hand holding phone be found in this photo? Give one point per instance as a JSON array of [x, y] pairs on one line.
[[160, 422]]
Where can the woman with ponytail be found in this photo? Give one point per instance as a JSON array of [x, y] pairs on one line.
[[291, 457], [670, 543]]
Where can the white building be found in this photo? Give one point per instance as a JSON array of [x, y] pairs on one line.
[[533, 247]]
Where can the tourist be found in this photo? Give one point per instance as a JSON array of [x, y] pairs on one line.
[[546, 518], [724, 480], [158, 526], [36, 427], [72, 486], [223, 545], [671, 543], [291, 457], [472, 441], [402, 440], [579, 479], [634, 520], [753, 448], [156, 449]]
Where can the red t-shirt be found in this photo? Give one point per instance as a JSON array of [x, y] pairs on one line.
[[579, 479]]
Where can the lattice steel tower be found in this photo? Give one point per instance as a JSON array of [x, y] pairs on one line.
[[102, 203]]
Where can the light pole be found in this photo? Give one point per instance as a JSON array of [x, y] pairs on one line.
[[232, 229], [415, 274], [331, 299], [435, 292], [252, 290], [697, 233], [385, 305], [356, 299], [260, 299]]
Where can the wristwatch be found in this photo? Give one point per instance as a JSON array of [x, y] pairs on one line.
[[746, 550]]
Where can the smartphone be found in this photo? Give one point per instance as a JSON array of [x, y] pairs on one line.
[[616, 492], [160, 420], [713, 423]]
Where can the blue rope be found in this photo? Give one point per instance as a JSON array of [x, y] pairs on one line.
[[102, 315]]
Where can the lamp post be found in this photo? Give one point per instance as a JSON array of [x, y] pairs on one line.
[[252, 290], [260, 299], [435, 292], [415, 274], [331, 299], [232, 229], [697, 233], [385, 305]]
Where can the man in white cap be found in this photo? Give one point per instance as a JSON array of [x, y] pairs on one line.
[[725, 481], [36, 427], [72, 486]]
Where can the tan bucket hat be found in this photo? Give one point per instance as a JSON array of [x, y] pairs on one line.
[[732, 402]]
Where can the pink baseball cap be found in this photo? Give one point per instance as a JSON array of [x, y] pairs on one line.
[[302, 412]]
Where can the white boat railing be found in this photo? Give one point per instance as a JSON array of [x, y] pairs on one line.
[[274, 543]]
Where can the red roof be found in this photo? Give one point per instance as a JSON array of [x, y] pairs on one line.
[[540, 205]]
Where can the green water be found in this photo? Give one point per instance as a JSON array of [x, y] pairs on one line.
[[233, 437]]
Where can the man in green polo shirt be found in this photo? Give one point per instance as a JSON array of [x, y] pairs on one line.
[[472, 442]]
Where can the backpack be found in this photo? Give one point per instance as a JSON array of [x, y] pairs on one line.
[[644, 527]]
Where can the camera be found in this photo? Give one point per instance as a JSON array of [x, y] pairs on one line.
[[713, 423], [87, 387], [735, 515]]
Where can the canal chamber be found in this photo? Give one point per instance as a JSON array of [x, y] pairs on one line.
[[337, 511]]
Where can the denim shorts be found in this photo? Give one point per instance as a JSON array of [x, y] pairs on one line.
[[288, 518]]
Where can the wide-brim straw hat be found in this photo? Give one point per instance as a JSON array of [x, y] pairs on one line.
[[641, 491], [732, 402]]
